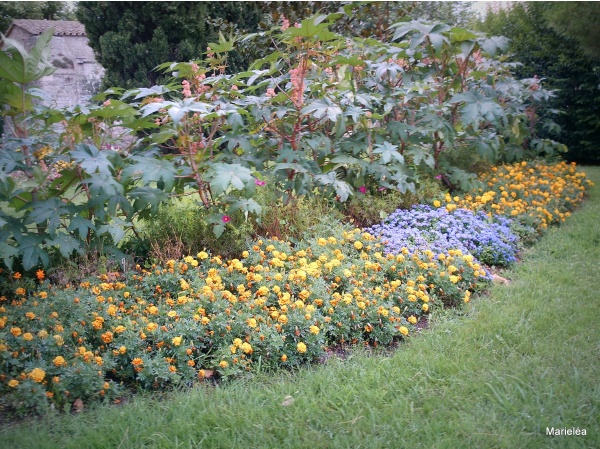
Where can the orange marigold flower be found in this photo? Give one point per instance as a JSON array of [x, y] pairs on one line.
[[40, 274]]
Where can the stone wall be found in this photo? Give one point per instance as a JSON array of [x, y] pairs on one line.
[[78, 76]]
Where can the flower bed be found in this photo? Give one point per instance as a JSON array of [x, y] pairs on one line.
[[536, 194], [424, 227], [279, 306]]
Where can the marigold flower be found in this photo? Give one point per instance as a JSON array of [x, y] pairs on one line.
[[17, 275], [59, 361], [37, 375], [301, 347], [13, 383], [223, 364], [15, 331], [40, 274], [176, 341]]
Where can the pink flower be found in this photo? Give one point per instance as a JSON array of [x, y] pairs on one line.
[[186, 89], [438, 177], [225, 218], [258, 182], [362, 189], [285, 24], [271, 92]]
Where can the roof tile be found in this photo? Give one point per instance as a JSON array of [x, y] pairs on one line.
[[61, 27]]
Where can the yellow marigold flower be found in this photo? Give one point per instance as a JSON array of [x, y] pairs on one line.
[[43, 333], [301, 348], [107, 337], [20, 291], [283, 319], [251, 322], [437, 203], [321, 241], [27, 336], [43, 295], [37, 375], [223, 364], [120, 329], [15, 331], [152, 327], [13, 383], [202, 255], [247, 348], [284, 358], [205, 320], [176, 341], [314, 330], [59, 361], [425, 307], [467, 297], [122, 350], [358, 245], [412, 319], [403, 330]]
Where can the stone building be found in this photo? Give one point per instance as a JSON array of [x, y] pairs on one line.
[[78, 75]]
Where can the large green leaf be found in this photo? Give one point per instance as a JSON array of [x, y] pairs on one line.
[[91, 159], [19, 66], [82, 225], [222, 176], [388, 153], [8, 253], [48, 213], [66, 244], [30, 247], [152, 169], [323, 108], [477, 108]]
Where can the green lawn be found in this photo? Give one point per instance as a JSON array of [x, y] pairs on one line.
[[496, 375]]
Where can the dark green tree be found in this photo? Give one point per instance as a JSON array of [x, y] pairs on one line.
[[131, 38], [580, 21], [33, 10], [561, 61]]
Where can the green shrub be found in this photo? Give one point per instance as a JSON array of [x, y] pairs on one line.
[[181, 228]]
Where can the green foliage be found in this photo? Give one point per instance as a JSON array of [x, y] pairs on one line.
[[572, 75], [578, 20], [182, 227], [130, 38], [323, 115]]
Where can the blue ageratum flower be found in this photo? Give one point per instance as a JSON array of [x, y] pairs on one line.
[[491, 241]]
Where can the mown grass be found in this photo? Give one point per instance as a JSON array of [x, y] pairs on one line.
[[495, 375]]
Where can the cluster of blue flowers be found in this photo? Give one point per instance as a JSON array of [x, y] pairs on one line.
[[491, 242]]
